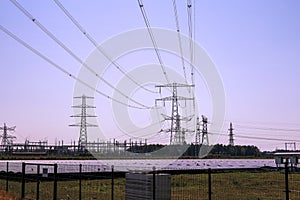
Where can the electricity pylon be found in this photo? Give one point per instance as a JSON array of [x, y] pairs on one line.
[[231, 143], [204, 131], [177, 136], [82, 142], [198, 132], [6, 138]]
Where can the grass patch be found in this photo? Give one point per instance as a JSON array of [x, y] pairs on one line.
[[225, 185]]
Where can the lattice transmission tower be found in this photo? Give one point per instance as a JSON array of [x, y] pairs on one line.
[[6, 138], [177, 133], [231, 141], [83, 124], [205, 140], [198, 132]]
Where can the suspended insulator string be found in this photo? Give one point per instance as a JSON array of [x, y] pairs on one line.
[[179, 40], [61, 68], [153, 39], [47, 32], [93, 41]]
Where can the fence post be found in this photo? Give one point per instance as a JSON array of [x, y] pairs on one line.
[[23, 181], [55, 182], [80, 171], [209, 183], [154, 183], [287, 191], [6, 187], [38, 183], [112, 182]]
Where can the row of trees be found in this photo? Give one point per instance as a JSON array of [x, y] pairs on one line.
[[238, 150], [145, 148], [193, 150]]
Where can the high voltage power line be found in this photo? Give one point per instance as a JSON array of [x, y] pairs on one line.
[[20, 41], [265, 126], [256, 137], [93, 41], [69, 51], [269, 128], [140, 129], [263, 123], [191, 37], [243, 135], [179, 39], [181, 55], [146, 20]]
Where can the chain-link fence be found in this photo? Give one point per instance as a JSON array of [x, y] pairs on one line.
[[72, 181]]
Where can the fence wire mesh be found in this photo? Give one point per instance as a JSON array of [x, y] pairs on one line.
[[101, 182]]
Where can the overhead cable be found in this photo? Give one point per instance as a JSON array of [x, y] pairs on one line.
[[179, 39], [191, 39], [258, 138], [146, 20], [69, 51], [101, 50], [20, 41]]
